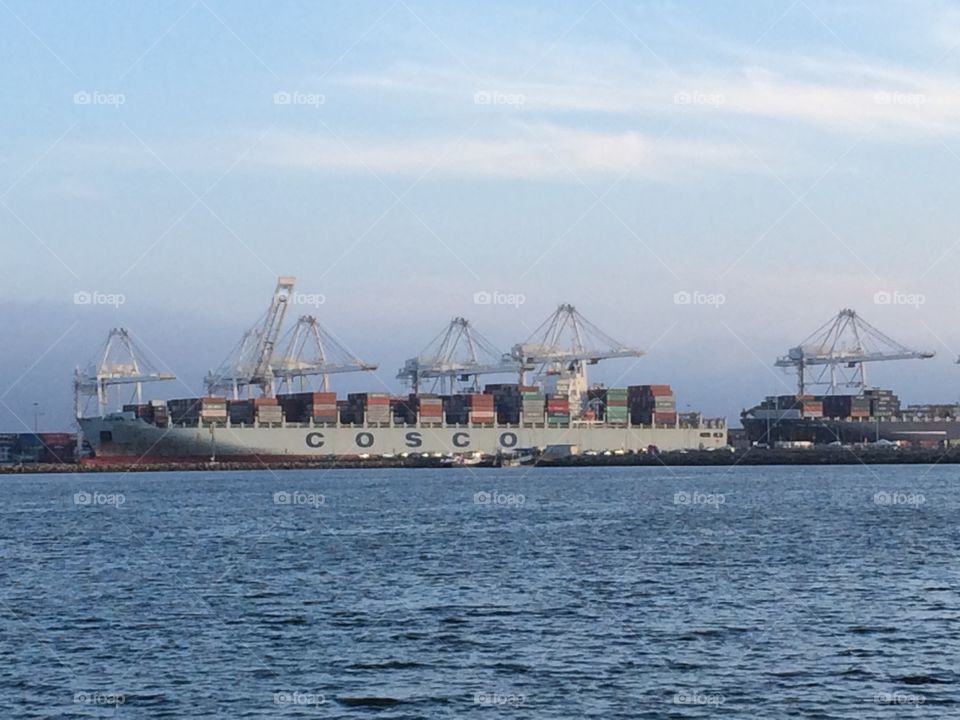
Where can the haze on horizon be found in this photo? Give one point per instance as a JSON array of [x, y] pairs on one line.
[[787, 159]]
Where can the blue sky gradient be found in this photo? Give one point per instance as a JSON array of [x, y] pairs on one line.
[[794, 157]]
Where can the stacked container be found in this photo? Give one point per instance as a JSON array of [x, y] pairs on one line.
[[429, 408], [144, 412], [534, 405], [28, 448], [57, 448], [161, 417], [7, 443], [190, 411], [883, 403], [403, 410], [481, 409], [268, 411], [320, 407], [240, 412], [507, 401], [652, 404], [558, 409], [615, 406], [456, 409], [810, 406]]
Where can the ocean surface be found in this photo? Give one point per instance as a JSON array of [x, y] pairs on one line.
[[755, 592]]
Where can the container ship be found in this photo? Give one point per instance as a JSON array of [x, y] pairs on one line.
[[259, 406], [848, 411]]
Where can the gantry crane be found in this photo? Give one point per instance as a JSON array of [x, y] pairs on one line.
[[837, 351], [250, 364], [118, 362], [312, 350], [560, 350], [459, 353]]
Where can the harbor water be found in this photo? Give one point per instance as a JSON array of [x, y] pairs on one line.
[[525, 593]]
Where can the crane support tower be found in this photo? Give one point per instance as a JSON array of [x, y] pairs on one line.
[[835, 354], [250, 364]]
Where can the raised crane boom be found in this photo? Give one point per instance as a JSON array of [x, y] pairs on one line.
[[118, 362], [457, 353], [561, 348], [839, 349], [310, 350], [250, 362]]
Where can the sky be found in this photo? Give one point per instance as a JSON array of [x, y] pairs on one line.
[[162, 164]]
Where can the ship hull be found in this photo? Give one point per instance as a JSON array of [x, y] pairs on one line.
[[129, 440], [825, 431]]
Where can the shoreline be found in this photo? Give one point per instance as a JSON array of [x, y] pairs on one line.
[[690, 458]]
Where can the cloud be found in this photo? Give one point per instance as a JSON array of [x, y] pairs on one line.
[[537, 151]]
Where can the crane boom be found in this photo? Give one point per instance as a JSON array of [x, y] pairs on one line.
[[312, 350], [459, 352]]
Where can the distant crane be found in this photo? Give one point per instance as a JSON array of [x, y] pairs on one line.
[[249, 364], [310, 350], [562, 347], [118, 362], [839, 349], [459, 353]]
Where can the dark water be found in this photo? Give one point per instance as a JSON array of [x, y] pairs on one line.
[[627, 593]]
